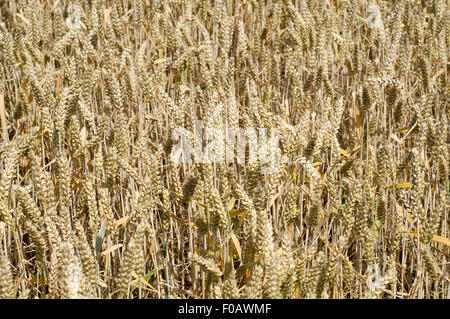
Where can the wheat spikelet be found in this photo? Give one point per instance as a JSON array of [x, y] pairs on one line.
[[6, 279]]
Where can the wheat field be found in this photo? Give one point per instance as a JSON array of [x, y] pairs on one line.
[[94, 204]]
